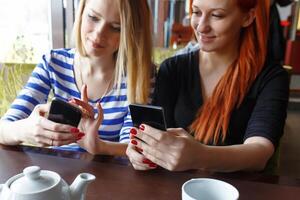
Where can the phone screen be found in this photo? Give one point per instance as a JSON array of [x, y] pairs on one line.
[[64, 113], [148, 114]]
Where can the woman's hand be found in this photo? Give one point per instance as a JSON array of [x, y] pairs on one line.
[[88, 124], [38, 130], [172, 149], [135, 154]]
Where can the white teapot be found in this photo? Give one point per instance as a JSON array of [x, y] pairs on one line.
[[37, 184]]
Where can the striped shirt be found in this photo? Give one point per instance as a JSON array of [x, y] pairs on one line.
[[55, 73]]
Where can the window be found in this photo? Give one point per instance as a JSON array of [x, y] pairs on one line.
[[24, 30]]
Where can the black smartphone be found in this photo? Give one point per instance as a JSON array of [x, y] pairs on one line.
[[64, 112], [148, 114]]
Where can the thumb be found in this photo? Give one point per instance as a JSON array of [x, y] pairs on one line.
[[41, 109]]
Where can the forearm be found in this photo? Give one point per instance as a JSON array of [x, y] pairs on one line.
[[10, 132], [249, 157], [112, 148]]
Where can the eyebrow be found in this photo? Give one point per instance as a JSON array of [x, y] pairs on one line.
[[113, 22], [213, 9]]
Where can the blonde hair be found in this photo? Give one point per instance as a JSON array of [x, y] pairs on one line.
[[134, 56]]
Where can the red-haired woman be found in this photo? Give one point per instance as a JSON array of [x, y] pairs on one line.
[[227, 100]]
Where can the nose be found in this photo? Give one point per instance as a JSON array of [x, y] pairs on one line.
[[203, 25], [101, 30]]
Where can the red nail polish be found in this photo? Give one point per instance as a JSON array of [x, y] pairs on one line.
[[153, 165], [139, 149], [74, 130], [81, 134], [147, 161], [133, 131], [134, 142], [142, 127]]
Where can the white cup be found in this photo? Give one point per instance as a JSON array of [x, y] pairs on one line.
[[208, 189]]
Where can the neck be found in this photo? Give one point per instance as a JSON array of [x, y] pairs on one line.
[[217, 60], [101, 65]]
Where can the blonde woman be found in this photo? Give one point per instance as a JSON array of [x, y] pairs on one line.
[[110, 66]]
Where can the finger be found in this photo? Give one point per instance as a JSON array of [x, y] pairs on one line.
[[84, 105], [143, 137], [137, 159], [58, 136], [45, 141], [153, 154], [84, 96], [42, 109], [152, 132], [53, 126], [100, 114]]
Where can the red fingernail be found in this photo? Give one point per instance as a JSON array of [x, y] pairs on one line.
[[138, 149], [81, 134], [133, 131], [147, 161], [142, 127], [134, 142], [78, 138], [74, 130], [153, 165]]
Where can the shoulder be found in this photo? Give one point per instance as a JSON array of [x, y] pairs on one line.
[[177, 63], [62, 53], [271, 71], [272, 76]]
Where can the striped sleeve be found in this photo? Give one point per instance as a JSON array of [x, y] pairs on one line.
[[127, 124], [35, 92]]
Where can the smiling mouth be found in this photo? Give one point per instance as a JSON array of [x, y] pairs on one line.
[[97, 46], [207, 38]]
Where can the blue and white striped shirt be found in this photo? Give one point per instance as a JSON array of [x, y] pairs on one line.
[[56, 73]]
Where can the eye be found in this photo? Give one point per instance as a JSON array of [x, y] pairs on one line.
[[116, 27], [196, 12], [217, 15], [93, 18]]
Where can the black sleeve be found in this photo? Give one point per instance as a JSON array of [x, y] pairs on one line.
[[165, 90], [270, 111]]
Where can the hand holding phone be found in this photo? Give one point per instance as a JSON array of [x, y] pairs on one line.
[[64, 113], [148, 114]]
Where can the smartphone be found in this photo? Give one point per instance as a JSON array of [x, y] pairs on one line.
[[64, 113], [147, 114]]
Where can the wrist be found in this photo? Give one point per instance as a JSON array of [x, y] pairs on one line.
[[202, 151], [101, 147]]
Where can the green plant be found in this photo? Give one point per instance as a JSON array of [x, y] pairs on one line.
[[12, 79]]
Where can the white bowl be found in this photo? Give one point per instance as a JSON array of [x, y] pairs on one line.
[[208, 189]]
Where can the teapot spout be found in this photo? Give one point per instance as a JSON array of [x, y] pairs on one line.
[[79, 186]]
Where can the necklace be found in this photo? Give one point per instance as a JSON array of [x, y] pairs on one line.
[[80, 81]]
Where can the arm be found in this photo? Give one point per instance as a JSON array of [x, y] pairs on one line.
[[36, 130], [24, 121], [91, 141], [177, 150], [250, 156]]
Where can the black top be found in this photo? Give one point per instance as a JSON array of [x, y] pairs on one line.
[[262, 112]]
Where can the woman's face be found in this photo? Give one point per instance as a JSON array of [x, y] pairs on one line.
[[100, 28], [217, 24]]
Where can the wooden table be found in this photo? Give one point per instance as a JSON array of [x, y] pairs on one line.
[[116, 179]]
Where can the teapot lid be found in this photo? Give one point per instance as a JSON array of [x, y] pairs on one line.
[[34, 180]]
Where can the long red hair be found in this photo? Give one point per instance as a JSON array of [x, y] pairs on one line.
[[213, 117]]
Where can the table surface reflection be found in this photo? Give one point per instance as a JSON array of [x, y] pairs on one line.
[[116, 179]]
